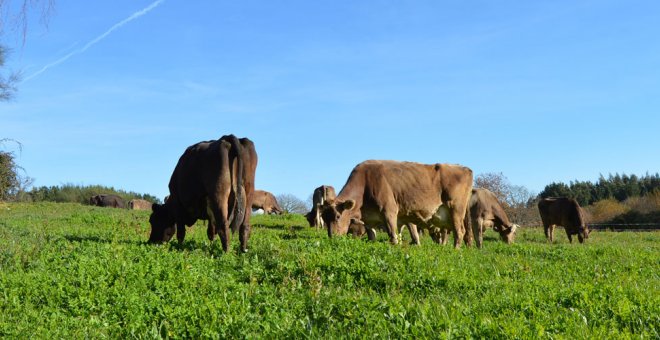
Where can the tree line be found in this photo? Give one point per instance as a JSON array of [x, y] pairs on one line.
[[79, 194], [617, 187]]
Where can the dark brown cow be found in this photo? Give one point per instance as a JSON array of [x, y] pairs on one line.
[[565, 212], [214, 181], [265, 201], [486, 212], [322, 194], [391, 193], [106, 200], [138, 204]]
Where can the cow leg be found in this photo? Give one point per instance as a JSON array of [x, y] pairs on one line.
[[210, 230], [218, 221], [391, 220], [570, 237], [414, 236], [551, 233], [580, 238], [371, 233], [244, 232], [477, 229], [444, 236], [459, 229], [180, 232]]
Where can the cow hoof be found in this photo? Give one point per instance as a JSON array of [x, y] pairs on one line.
[[244, 251]]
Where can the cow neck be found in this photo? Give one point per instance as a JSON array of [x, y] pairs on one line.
[[351, 194]]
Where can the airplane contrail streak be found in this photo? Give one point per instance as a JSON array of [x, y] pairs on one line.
[[97, 39]]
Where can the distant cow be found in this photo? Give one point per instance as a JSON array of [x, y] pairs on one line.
[[265, 201], [214, 181], [391, 193], [107, 200], [322, 194], [565, 212], [138, 204]]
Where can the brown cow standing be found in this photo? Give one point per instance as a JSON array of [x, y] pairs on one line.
[[107, 200], [565, 212], [214, 181], [139, 204], [265, 201], [389, 193], [322, 194]]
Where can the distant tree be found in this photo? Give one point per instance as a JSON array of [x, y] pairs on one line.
[[12, 182], [497, 183], [292, 204], [518, 202]]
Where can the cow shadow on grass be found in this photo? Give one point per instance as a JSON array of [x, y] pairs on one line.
[[280, 227], [97, 239]]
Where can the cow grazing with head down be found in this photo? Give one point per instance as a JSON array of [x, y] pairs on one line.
[[107, 200], [487, 212], [265, 201], [213, 181], [321, 195], [391, 193], [565, 212]]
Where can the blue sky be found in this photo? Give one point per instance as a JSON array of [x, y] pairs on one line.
[[542, 91]]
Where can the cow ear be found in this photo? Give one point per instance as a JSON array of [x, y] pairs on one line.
[[347, 205], [155, 207]]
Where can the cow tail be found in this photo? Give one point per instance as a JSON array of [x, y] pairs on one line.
[[238, 187]]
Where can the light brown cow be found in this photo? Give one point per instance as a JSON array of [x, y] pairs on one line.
[[139, 204], [322, 194], [486, 212], [391, 193], [214, 181], [265, 201], [565, 212]]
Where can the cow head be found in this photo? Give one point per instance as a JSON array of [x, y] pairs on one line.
[[507, 233], [338, 216], [162, 224], [583, 234]]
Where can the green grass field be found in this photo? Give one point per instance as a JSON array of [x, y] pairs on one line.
[[72, 271]]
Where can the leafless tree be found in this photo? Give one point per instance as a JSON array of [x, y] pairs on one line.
[[292, 204], [14, 18], [517, 201]]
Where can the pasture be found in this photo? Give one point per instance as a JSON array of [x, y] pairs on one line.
[[73, 271]]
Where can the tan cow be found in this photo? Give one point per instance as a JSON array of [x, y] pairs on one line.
[[390, 193], [565, 212], [265, 201], [139, 204], [486, 212], [214, 181], [322, 194]]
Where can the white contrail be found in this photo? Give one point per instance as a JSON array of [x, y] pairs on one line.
[[97, 39]]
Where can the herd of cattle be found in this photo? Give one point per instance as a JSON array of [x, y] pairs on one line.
[[214, 181]]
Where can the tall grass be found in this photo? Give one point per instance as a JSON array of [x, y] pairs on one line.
[[68, 270]]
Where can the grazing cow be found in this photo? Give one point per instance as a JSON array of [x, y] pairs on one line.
[[486, 212], [106, 200], [214, 181], [565, 212], [322, 194], [265, 201], [138, 204], [391, 193]]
